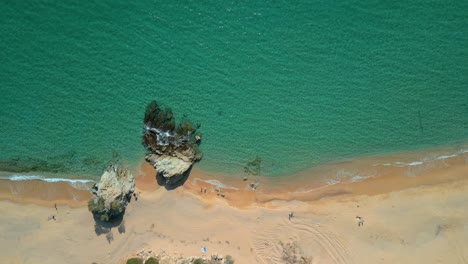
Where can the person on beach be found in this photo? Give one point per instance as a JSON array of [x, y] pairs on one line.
[[291, 215], [203, 250], [360, 220], [55, 205]]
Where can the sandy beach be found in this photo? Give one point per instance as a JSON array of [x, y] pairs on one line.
[[407, 219]]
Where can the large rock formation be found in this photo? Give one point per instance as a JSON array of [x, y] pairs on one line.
[[174, 148], [112, 193]]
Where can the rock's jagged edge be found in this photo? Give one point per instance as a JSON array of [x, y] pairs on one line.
[[112, 193], [164, 257], [174, 148]]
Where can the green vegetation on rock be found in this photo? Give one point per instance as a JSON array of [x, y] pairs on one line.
[[134, 261], [198, 261], [115, 206], [156, 117], [184, 127], [152, 261], [228, 260], [96, 206]]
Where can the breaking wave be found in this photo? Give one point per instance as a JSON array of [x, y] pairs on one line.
[[81, 184], [217, 184], [424, 160]]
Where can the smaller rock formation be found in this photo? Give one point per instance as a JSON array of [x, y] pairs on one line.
[[170, 170], [174, 147], [112, 193]]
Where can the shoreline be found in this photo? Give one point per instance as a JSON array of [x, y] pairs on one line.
[[310, 185]]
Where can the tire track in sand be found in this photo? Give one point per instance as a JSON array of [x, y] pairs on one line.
[[267, 245], [330, 242], [269, 250]]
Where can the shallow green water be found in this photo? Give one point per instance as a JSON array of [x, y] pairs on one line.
[[296, 83]]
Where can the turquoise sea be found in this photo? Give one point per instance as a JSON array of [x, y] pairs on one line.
[[297, 83]]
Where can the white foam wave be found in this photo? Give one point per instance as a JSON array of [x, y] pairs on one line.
[[309, 190], [217, 183], [403, 164], [80, 184], [333, 181], [425, 160], [358, 178]]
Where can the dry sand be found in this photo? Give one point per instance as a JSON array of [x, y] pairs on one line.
[[419, 219]]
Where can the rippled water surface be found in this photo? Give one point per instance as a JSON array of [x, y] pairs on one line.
[[296, 83]]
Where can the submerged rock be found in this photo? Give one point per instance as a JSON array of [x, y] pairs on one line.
[[174, 148], [112, 193]]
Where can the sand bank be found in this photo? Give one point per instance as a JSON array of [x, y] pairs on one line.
[[407, 219]]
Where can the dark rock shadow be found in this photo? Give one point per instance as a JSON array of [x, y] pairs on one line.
[[109, 236], [173, 182], [121, 228], [104, 227]]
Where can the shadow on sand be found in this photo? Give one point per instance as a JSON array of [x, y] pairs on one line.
[[105, 227], [173, 182]]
